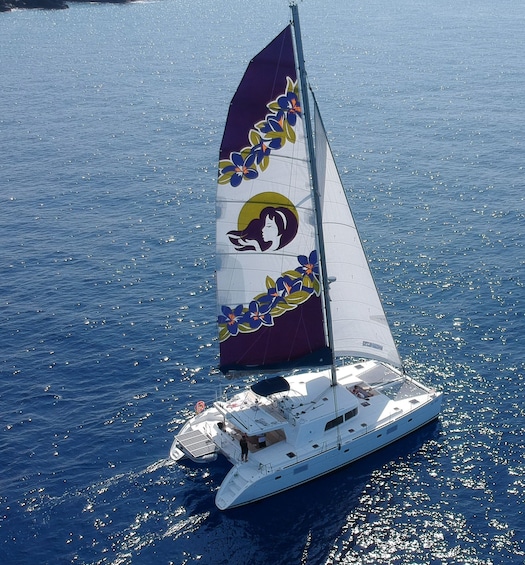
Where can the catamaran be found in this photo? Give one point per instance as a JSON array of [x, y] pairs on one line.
[[296, 301]]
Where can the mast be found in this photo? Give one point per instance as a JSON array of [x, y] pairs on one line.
[[315, 181]]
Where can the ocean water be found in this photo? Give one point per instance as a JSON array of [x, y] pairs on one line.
[[110, 123]]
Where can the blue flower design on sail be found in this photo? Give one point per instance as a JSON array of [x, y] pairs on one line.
[[231, 318], [272, 297], [269, 135], [241, 168], [262, 148], [309, 266], [287, 285], [291, 289], [289, 103], [258, 315], [273, 127]]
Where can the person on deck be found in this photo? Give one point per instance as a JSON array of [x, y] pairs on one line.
[[244, 448]]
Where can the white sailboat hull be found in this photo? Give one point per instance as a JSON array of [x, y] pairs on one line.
[[300, 448], [240, 487]]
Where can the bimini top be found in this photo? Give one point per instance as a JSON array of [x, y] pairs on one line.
[[271, 386]]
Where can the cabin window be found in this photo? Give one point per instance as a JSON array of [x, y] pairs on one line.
[[339, 420], [333, 423]]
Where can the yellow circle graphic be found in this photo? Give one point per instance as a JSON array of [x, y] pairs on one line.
[[253, 207]]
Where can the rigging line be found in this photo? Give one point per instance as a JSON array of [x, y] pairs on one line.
[[334, 390]]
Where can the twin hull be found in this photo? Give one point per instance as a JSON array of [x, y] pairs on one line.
[[244, 485], [373, 404]]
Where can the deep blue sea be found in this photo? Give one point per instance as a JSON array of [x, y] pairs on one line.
[[110, 123]]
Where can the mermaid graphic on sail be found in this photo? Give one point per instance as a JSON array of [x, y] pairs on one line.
[[273, 229]]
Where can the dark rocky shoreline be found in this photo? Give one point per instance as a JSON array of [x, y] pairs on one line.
[[8, 5]]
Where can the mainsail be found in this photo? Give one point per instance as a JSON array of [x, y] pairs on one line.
[[269, 287]]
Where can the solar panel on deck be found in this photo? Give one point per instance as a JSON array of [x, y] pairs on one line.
[[196, 443]]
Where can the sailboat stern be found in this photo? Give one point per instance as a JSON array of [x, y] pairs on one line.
[[196, 440]]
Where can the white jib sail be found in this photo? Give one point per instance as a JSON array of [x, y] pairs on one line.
[[360, 327]]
